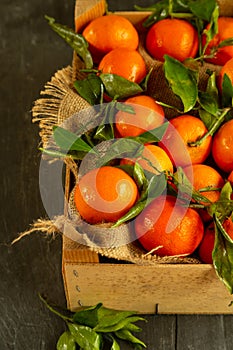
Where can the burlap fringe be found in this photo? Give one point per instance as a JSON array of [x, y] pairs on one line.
[[45, 109], [44, 226]]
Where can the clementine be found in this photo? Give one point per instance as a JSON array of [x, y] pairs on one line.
[[143, 119], [104, 194], [206, 180], [153, 159], [125, 62], [222, 148], [173, 37], [206, 246], [225, 31], [169, 228], [109, 32], [228, 70], [182, 131]]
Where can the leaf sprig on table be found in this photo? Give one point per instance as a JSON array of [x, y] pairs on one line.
[[91, 328]]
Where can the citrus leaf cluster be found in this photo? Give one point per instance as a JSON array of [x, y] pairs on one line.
[[95, 327]]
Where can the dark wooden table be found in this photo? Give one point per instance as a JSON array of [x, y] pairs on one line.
[[30, 54]]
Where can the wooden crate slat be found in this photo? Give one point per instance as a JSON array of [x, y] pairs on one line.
[[173, 289]]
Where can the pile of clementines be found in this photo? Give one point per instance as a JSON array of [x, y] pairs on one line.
[[192, 213]]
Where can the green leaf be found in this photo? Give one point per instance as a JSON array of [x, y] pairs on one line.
[[88, 316], [227, 91], [89, 88], [212, 88], [222, 230], [132, 327], [182, 81], [155, 187], [127, 335], [125, 107], [85, 337], [202, 9], [208, 102], [67, 140], [76, 41], [223, 259], [120, 325], [66, 342], [115, 345], [159, 11], [213, 28], [151, 136], [105, 130], [224, 206], [207, 118], [144, 82], [118, 87], [139, 176], [226, 42], [121, 148], [132, 213], [110, 317]]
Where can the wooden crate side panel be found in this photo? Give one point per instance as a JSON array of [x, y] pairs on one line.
[[169, 289]]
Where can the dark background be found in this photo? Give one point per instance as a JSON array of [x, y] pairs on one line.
[[30, 53]]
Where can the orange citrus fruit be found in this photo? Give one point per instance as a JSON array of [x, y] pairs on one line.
[[181, 133], [109, 32], [125, 62], [104, 194], [173, 37], [228, 70], [164, 226], [225, 31], [230, 177], [206, 246], [222, 148], [228, 226], [143, 119], [153, 159], [208, 182]]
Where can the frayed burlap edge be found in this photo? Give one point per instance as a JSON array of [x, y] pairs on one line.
[[58, 100]]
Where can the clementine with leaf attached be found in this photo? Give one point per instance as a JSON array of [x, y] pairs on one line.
[[168, 228], [109, 32], [104, 194], [208, 182], [182, 140], [225, 31], [153, 159], [125, 62], [174, 37], [143, 119]]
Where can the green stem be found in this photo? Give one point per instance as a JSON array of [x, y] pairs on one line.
[[65, 318], [211, 131], [58, 154]]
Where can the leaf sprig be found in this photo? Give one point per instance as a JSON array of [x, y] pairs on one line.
[[90, 328]]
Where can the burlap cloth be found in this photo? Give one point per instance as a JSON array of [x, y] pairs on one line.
[[57, 103]]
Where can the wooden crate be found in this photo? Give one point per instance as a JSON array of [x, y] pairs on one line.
[[164, 288]]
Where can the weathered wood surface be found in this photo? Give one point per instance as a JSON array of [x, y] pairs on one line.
[[30, 53]]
